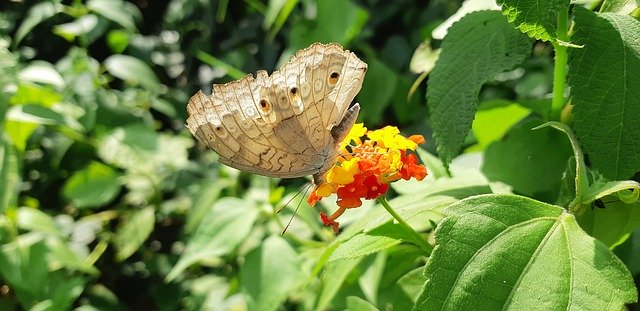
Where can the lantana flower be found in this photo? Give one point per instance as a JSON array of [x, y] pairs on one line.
[[368, 162]]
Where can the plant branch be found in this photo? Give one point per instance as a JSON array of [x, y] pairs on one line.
[[560, 68], [415, 236]]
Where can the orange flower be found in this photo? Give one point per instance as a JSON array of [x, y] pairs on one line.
[[368, 162]]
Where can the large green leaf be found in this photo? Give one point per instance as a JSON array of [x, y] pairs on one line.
[[536, 18], [93, 186], [270, 273], [531, 161], [135, 230], [468, 59], [510, 252], [603, 76], [221, 230]]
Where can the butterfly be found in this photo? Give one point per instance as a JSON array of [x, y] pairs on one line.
[[287, 124]]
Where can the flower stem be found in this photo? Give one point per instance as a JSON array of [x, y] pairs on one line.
[[415, 236], [560, 68]]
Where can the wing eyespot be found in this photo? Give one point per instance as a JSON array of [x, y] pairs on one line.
[[265, 106], [333, 78]]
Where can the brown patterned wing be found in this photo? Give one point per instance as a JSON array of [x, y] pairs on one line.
[[280, 125]]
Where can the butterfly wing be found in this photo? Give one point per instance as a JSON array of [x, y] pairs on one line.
[[278, 125]]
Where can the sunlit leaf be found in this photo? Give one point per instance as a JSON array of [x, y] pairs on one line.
[[95, 185], [526, 250]]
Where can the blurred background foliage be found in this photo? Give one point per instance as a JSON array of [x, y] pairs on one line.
[[105, 195]]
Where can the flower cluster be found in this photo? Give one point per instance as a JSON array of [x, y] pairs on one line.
[[368, 162]]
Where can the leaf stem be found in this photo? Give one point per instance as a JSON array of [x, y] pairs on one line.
[[560, 69], [415, 236]]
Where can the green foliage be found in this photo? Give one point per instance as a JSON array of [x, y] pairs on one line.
[[528, 250], [611, 53], [107, 202], [469, 56]]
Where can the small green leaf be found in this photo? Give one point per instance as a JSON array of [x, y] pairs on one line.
[[132, 70], [93, 186], [79, 27], [536, 18], [42, 72], [135, 230], [521, 250], [468, 59], [221, 230], [118, 40], [531, 161], [270, 273], [114, 10], [605, 115]]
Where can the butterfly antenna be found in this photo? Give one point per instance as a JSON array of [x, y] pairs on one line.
[[306, 188], [297, 194]]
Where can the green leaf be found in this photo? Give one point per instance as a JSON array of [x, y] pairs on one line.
[[115, 11], [30, 93], [93, 186], [36, 15], [612, 224], [35, 114], [492, 124], [536, 18], [41, 72], [23, 265], [132, 70], [376, 92], [277, 13], [270, 274], [9, 175], [531, 161], [412, 282], [336, 21], [468, 59], [334, 275], [362, 245], [506, 252], [79, 27], [355, 303], [135, 230], [619, 6], [118, 40], [605, 115], [221, 230]]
